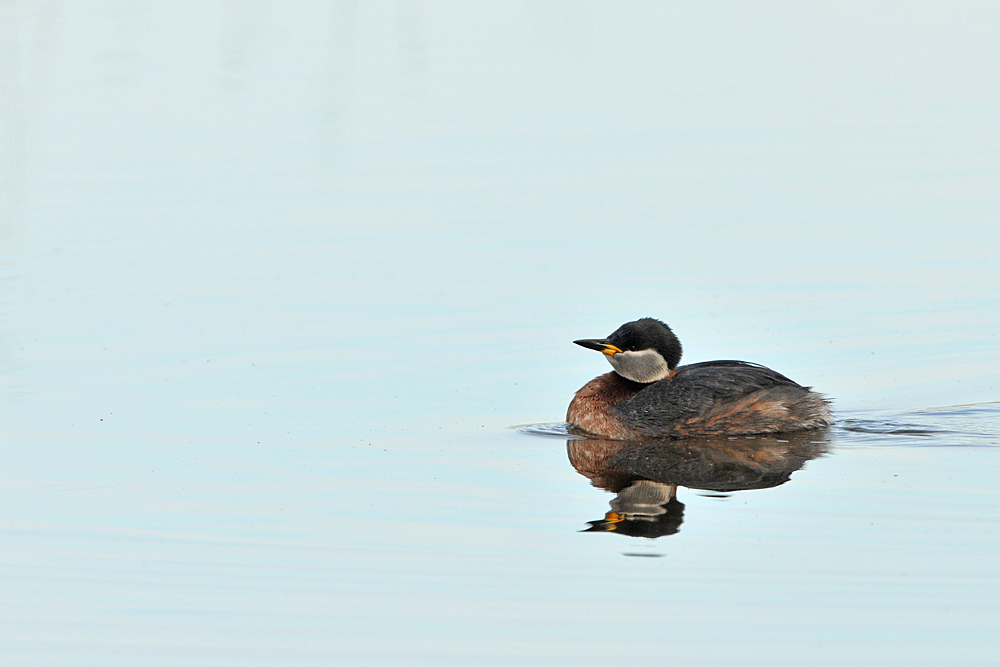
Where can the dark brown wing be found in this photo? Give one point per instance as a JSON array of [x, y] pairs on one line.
[[720, 397]]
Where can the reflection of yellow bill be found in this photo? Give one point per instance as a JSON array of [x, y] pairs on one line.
[[613, 518]]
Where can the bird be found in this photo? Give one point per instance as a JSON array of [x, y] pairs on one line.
[[648, 395]]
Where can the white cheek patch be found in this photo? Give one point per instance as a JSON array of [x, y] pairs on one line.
[[642, 366]]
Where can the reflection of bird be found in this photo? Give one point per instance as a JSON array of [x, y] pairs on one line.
[[643, 509], [645, 474], [733, 463], [648, 396]]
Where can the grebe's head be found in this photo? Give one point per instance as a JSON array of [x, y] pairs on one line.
[[642, 351]]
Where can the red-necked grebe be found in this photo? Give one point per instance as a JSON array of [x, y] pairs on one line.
[[648, 396]]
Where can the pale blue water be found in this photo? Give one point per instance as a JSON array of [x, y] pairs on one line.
[[281, 282]]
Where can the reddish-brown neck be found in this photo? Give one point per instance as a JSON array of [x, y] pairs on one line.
[[590, 408]]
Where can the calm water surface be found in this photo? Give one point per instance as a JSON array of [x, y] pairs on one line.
[[281, 283]]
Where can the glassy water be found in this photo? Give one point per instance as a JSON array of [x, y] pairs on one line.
[[281, 283]]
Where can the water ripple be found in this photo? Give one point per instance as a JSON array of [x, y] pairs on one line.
[[976, 425]]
